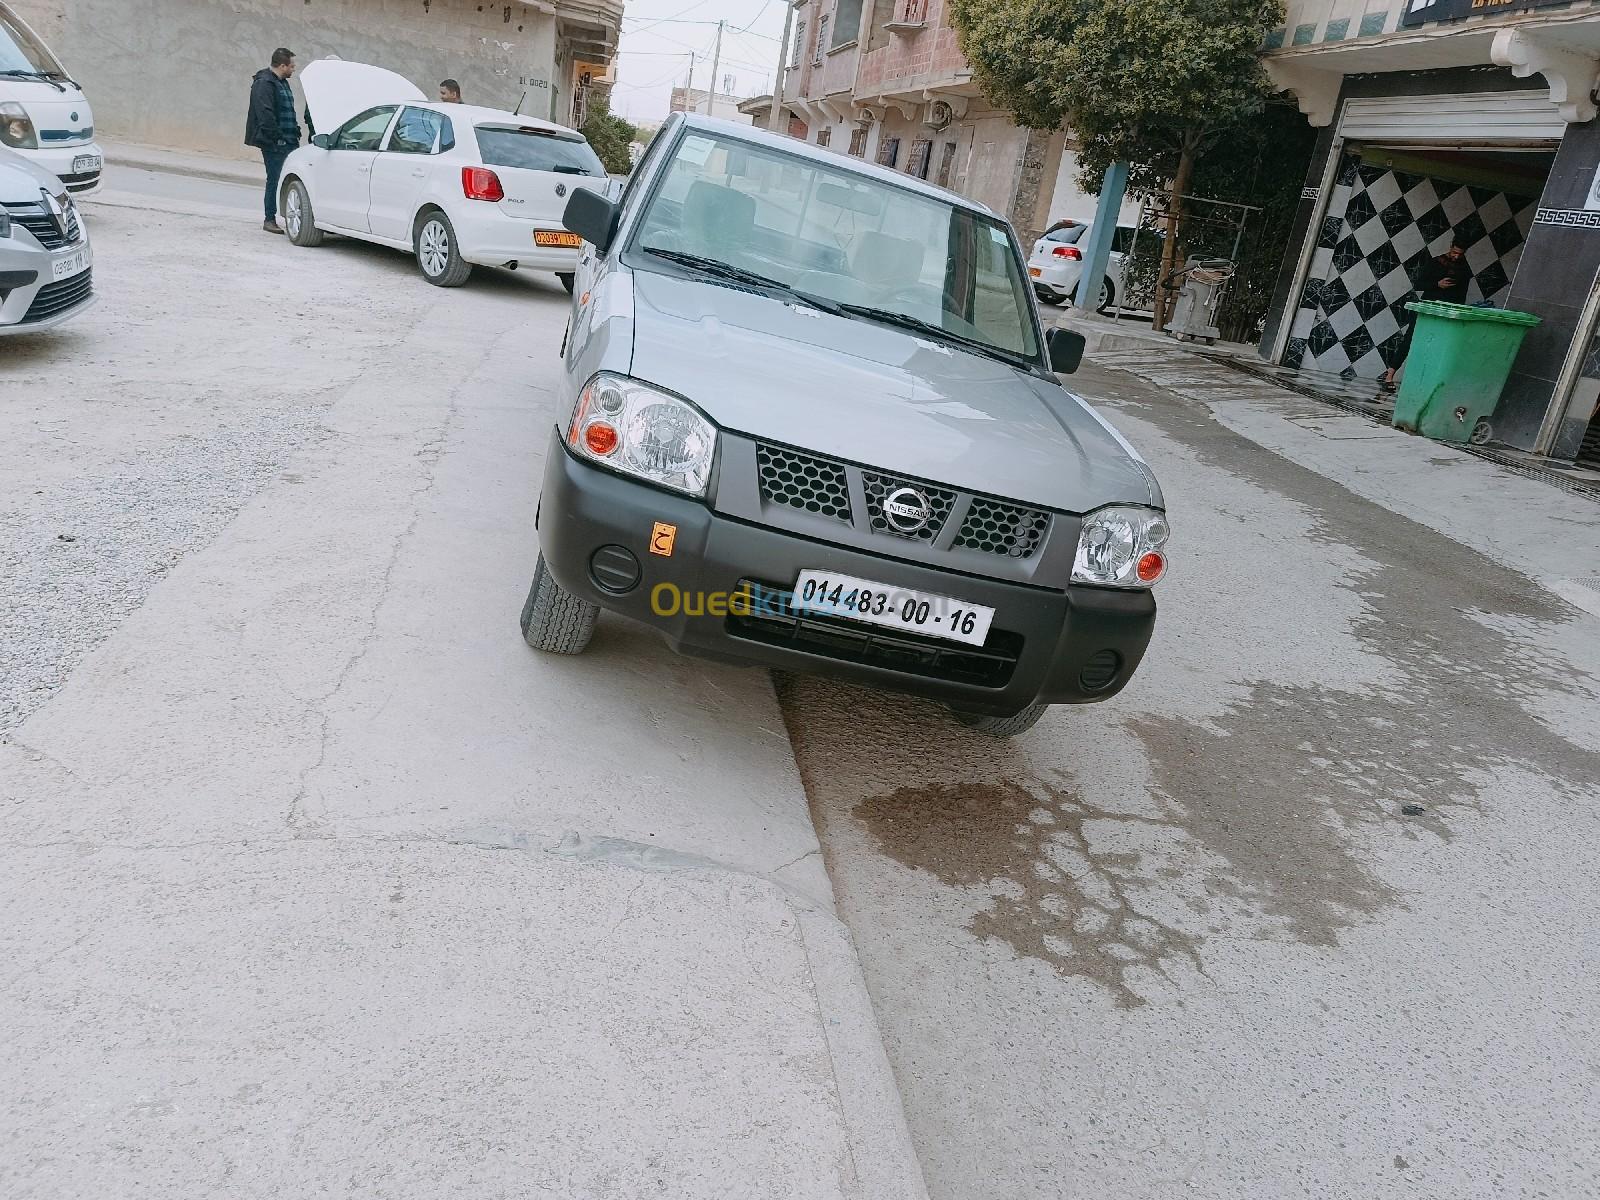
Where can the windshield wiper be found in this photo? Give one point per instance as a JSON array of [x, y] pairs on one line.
[[723, 270], [49, 77], [917, 324]]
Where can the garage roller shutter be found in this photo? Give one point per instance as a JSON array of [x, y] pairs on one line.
[[1520, 116]]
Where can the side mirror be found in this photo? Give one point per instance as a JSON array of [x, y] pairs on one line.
[[323, 141], [592, 217], [1066, 350]]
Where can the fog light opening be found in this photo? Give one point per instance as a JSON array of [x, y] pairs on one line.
[[1100, 671], [614, 569]]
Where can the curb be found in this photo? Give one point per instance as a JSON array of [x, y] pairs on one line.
[[223, 172]]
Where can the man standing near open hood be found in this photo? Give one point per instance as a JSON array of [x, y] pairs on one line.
[[271, 127]]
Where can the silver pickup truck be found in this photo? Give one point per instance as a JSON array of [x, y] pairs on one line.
[[811, 421]]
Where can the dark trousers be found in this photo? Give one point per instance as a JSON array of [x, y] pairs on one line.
[[274, 159]]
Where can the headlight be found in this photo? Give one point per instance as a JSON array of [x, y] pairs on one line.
[[16, 127], [1122, 547], [641, 431]]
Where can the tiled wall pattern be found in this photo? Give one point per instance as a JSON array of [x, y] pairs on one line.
[[1381, 225]]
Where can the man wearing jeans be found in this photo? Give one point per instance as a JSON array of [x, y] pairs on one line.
[[271, 127]]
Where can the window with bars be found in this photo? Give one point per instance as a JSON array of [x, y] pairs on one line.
[[822, 39], [917, 163], [914, 12], [799, 44], [824, 136], [946, 161], [858, 142], [888, 152]]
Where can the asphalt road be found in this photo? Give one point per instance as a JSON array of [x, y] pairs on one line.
[[1190, 942]]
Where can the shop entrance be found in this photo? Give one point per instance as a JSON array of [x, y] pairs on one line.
[[1393, 207]]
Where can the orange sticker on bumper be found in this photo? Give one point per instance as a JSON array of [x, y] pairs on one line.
[[662, 539]]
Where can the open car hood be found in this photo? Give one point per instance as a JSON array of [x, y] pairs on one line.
[[337, 90]]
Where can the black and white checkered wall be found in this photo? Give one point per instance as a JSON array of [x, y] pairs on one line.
[[1381, 225]]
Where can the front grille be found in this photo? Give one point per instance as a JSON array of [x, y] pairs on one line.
[[996, 527], [82, 181], [773, 621], [43, 226], [803, 481], [57, 297], [61, 136], [940, 501]]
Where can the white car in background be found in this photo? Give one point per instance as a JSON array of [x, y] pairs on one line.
[[46, 265], [1057, 262], [44, 115], [455, 184]]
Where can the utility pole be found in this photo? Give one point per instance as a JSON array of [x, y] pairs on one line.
[[688, 91], [783, 65], [716, 60]]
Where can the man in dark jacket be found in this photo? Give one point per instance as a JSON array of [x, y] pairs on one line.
[[1443, 278], [271, 127]]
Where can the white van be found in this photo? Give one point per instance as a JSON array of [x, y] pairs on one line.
[[44, 115]]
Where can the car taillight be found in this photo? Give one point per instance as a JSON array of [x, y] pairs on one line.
[[480, 183], [1068, 252]]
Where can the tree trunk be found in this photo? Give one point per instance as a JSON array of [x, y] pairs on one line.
[[1177, 209]]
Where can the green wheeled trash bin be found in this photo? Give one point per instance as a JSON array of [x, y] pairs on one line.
[[1460, 358]]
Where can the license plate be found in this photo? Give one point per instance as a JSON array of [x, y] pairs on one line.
[[547, 237], [65, 268], [1035, 272], [85, 162], [830, 594]]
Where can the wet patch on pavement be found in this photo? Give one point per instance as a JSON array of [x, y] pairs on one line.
[[1258, 821]]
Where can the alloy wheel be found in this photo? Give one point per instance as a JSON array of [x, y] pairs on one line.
[[435, 248], [292, 212]]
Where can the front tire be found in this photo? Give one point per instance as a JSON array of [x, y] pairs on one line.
[[567, 279], [553, 619], [1004, 727], [299, 222], [438, 256]]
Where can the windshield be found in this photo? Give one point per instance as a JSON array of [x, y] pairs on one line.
[[844, 237], [1069, 235], [21, 51], [537, 151]]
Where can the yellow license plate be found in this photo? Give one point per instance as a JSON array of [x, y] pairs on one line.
[[1034, 271], [546, 237]]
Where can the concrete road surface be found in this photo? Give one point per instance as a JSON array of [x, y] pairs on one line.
[[1190, 942], [314, 879]]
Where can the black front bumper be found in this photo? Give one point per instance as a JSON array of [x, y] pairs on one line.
[[1072, 647]]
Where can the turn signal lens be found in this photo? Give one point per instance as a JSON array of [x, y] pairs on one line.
[[600, 438], [1152, 567], [480, 183]]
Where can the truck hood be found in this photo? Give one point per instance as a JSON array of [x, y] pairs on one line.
[[879, 396], [336, 90]]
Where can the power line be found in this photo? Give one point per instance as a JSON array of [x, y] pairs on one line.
[[674, 17]]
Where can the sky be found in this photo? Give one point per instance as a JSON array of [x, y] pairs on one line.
[[658, 36]]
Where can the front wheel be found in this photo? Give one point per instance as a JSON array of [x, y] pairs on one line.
[[567, 278], [1004, 727], [553, 619], [438, 256], [299, 222]]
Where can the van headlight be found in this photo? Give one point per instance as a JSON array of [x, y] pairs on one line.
[[1122, 547], [642, 431], [16, 127]]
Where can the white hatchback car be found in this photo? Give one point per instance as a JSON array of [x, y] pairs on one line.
[[455, 184], [1057, 262]]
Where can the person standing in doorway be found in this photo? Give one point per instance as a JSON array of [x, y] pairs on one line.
[[449, 92], [1444, 278], [271, 127]]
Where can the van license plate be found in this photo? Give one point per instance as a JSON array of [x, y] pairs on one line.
[[547, 237], [65, 268], [85, 162], [830, 594]]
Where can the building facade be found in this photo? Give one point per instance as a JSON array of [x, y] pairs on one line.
[[886, 80], [720, 104], [177, 72], [1471, 121]]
